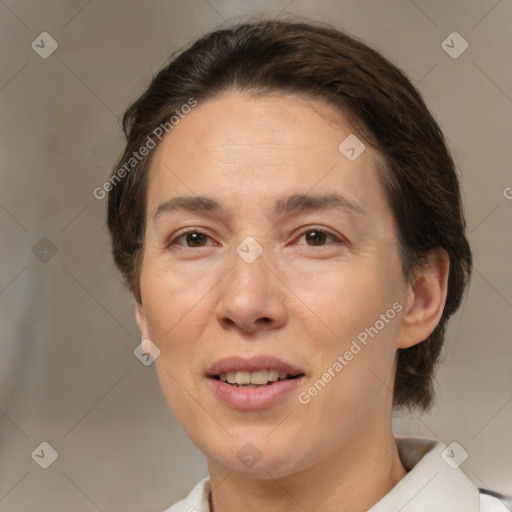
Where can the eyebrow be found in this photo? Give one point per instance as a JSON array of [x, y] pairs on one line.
[[306, 202], [283, 206]]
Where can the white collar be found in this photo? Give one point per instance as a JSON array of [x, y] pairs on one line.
[[431, 484]]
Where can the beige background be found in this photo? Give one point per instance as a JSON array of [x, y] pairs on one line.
[[68, 375]]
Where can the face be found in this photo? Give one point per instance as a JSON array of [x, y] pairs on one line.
[[290, 264]]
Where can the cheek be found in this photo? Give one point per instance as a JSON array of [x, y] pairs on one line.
[[174, 321], [358, 320], [345, 297], [169, 307], [170, 297], [354, 381]]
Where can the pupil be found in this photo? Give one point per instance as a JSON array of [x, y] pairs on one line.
[[316, 236], [196, 238]]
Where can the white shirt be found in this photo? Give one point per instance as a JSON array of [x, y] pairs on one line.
[[431, 485]]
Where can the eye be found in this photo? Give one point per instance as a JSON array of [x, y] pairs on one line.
[[318, 237], [192, 237]]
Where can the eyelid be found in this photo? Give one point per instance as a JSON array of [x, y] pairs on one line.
[[307, 229], [298, 234], [176, 236]]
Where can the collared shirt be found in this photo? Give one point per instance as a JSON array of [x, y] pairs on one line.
[[433, 484]]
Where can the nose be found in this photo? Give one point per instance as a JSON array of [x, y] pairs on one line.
[[251, 297]]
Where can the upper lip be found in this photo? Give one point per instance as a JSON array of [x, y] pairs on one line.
[[251, 364]]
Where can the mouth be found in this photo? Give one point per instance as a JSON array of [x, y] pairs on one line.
[[255, 379], [250, 379]]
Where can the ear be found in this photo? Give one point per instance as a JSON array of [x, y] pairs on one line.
[[425, 299], [140, 316]]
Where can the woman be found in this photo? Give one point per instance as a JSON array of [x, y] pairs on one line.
[[288, 218]]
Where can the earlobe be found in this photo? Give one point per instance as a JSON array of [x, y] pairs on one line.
[[426, 300]]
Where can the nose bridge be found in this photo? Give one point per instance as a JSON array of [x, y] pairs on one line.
[[250, 292], [249, 273]]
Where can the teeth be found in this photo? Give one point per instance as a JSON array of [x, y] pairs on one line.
[[260, 377], [273, 375], [243, 378], [253, 379]]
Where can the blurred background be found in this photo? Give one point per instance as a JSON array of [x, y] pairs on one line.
[[68, 373]]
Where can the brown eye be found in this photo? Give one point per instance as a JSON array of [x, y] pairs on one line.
[[317, 237], [192, 239], [195, 239]]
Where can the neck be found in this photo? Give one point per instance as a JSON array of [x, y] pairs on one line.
[[351, 479]]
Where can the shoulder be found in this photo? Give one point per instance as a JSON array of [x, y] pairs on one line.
[[435, 481], [196, 501], [493, 502]]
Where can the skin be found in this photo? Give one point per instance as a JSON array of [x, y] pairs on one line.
[[304, 300]]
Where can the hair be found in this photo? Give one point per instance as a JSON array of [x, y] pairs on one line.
[[317, 61]]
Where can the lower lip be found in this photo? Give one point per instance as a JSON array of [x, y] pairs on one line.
[[249, 399]]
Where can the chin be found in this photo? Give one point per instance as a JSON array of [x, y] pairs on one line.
[[257, 458]]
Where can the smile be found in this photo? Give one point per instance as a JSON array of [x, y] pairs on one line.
[[260, 378]]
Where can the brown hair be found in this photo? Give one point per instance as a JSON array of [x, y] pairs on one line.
[[271, 56]]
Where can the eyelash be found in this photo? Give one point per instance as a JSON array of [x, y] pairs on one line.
[[317, 229]]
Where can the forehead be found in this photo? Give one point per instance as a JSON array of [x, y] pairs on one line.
[[242, 147], [238, 120]]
